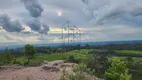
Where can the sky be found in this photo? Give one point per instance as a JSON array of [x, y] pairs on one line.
[[40, 21]]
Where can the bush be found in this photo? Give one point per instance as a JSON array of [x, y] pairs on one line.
[[71, 59], [117, 71], [76, 76], [98, 63], [13, 61], [81, 67], [79, 73]]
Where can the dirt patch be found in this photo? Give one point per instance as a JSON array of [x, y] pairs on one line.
[[46, 71]]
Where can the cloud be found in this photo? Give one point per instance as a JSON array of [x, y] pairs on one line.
[[26, 32], [103, 11], [44, 29], [34, 8], [8, 37], [51, 38], [38, 26], [68, 5], [85, 1], [106, 15], [9, 25]]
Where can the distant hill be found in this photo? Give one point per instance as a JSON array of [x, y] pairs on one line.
[[82, 44]]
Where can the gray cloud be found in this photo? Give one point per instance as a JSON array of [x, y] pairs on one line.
[[26, 32], [104, 10], [33, 7], [71, 10], [35, 10], [85, 1], [44, 29], [8, 37], [9, 25], [69, 5], [109, 13], [38, 26], [34, 24]]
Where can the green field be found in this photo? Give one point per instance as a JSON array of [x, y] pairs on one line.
[[128, 52], [78, 54]]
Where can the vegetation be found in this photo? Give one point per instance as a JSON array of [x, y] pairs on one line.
[[111, 62], [2, 59], [126, 53], [79, 73], [8, 56], [98, 64], [117, 71], [29, 51], [56, 56]]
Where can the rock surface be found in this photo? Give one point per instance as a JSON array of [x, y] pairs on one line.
[[47, 71]]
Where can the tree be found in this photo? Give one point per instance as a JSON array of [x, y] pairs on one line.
[[29, 51], [8, 56], [117, 71]]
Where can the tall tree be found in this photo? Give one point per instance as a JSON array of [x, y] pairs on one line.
[[29, 51], [8, 56]]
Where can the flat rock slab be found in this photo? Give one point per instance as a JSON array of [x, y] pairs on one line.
[[47, 71]]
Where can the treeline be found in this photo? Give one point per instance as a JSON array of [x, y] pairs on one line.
[[46, 50], [137, 46], [115, 53], [110, 49]]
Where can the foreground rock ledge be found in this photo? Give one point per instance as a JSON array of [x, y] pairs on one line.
[[46, 71]]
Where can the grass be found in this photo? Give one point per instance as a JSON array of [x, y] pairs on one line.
[[120, 52], [53, 57], [78, 54], [100, 50], [137, 60], [62, 56], [128, 52]]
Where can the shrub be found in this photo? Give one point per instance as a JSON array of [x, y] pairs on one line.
[[13, 61], [81, 67], [98, 63], [79, 73], [117, 71], [71, 59]]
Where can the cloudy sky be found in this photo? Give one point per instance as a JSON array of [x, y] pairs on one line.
[[40, 21]]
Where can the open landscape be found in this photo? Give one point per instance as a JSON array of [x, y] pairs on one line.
[[93, 60], [70, 39]]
